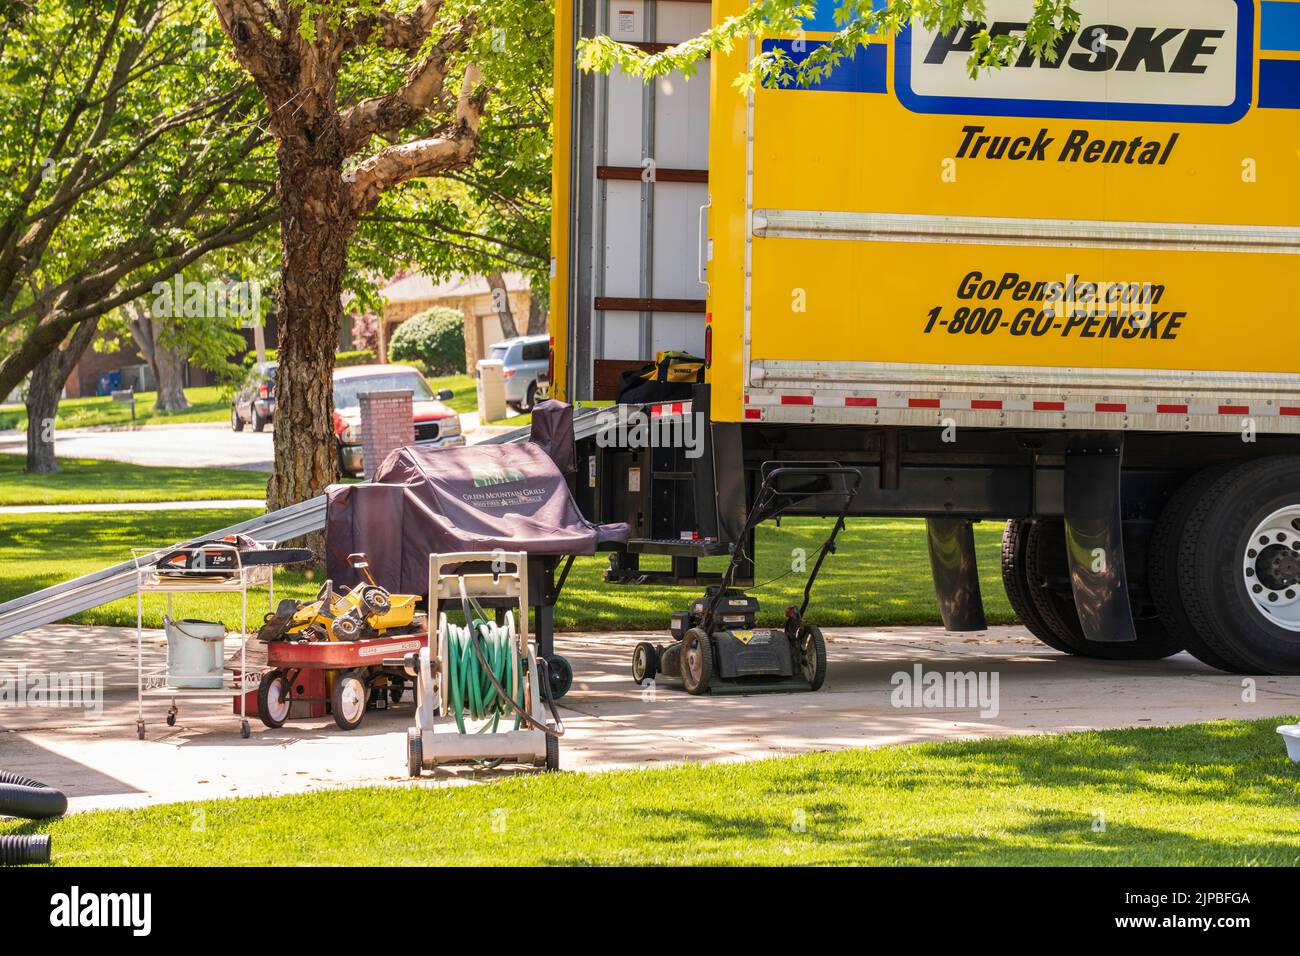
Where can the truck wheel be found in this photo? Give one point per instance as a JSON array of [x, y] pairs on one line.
[[1050, 592], [1162, 563], [259, 423], [1015, 581], [1239, 565], [697, 661], [236, 423]]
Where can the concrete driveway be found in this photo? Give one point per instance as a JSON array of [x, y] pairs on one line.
[[610, 722], [197, 445], [190, 446]]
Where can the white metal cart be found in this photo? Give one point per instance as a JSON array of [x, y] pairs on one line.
[[154, 682]]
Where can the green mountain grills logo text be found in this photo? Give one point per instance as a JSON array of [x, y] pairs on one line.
[[485, 477]]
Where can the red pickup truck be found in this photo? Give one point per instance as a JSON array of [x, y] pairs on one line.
[[435, 423]]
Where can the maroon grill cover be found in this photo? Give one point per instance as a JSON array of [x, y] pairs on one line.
[[476, 498]]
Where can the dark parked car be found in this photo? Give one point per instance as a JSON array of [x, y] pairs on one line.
[[254, 403]]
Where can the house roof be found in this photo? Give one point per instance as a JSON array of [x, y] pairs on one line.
[[419, 287]]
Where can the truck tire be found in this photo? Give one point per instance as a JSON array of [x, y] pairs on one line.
[[1046, 563], [1239, 565], [1015, 581], [1162, 564]]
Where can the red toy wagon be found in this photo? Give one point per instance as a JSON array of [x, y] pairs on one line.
[[345, 676]]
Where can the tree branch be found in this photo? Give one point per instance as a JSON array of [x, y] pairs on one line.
[[420, 90], [425, 157], [258, 51], [394, 32]]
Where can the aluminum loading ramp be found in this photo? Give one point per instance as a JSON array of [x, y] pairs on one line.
[[119, 581]]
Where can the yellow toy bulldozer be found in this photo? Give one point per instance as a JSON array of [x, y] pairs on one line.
[[361, 613]]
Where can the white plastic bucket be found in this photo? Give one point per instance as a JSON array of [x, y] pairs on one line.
[[196, 651], [1291, 734]]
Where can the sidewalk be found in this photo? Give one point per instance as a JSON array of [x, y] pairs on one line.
[[610, 722]]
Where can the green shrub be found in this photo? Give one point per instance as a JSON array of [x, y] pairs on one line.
[[435, 337], [359, 357]]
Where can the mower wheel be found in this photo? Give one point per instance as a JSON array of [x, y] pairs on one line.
[[697, 661], [812, 656], [561, 672], [273, 700], [645, 662], [552, 753], [349, 699], [414, 752]]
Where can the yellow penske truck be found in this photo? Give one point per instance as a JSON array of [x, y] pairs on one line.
[[1061, 295]]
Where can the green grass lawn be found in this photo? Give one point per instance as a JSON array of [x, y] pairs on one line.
[[40, 550], [209, 403], [881, 574], [1218, 794], [85, 481], [464, 396]]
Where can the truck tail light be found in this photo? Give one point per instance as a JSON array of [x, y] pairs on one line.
[[265, 390]]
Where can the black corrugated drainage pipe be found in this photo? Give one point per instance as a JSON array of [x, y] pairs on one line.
[[23, 797]]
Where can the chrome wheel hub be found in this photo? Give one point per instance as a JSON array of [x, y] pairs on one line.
[[1271, 568]]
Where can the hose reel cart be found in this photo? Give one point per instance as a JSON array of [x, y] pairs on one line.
[[487, 671]]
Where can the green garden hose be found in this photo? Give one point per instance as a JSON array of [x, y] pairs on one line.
[[470, 688]]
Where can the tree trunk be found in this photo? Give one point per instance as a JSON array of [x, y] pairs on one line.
[[501, 303], [169, 372], [43, 393], [168, 365], [315, 225], [536, 317], [42, 405]]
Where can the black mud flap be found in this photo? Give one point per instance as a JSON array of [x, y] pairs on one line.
[[956, 576], [1094, 541]]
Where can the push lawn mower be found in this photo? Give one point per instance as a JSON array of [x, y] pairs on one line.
[[716, 646]]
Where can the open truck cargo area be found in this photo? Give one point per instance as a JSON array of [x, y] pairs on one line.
[[1060, 295]]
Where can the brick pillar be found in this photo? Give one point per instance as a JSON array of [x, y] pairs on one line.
[[387, 422]]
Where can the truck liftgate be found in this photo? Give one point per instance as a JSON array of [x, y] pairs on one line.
[[1059, 296]]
